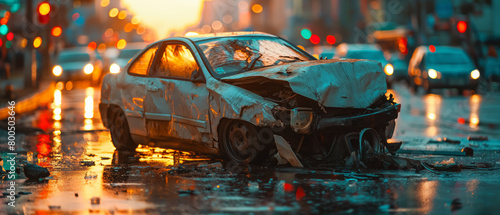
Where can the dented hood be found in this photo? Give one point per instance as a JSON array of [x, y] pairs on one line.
[[333, 83]]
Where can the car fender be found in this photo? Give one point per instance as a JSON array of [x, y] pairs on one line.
[[231, 102]]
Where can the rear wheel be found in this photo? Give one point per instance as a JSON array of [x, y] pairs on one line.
[[120, 132], [240, 142]]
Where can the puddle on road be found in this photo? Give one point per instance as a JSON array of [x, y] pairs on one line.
[[149, 181]]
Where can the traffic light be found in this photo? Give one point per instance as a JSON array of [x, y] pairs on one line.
[[462, 26], [43, 11], [315, 39], [330, 39], [10, 36], [56, 31]]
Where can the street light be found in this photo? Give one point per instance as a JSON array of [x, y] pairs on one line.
[[43, 11]]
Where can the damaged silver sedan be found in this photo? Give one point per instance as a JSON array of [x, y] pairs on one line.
[[248, 96]]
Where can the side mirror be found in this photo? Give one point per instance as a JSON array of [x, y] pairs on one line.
[[197, 76]]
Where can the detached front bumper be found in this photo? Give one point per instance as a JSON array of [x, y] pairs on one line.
[[372, 119]]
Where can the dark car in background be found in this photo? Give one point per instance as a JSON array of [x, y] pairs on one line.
[[433, 67]]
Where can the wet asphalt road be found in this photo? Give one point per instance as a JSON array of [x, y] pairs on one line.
[[68, 132]]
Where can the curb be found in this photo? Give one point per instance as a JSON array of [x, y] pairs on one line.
[[32, 102]]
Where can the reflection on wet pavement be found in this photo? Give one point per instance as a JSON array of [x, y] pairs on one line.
[[83, 163]]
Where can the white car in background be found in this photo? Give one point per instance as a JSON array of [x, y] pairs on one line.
[[125, 55], [77, 64]]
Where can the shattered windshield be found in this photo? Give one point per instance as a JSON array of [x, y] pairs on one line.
[[233, 55]]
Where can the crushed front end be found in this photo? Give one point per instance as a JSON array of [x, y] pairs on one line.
[[329, 109], [330, 135]]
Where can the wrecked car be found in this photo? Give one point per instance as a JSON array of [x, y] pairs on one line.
[[237, 94]]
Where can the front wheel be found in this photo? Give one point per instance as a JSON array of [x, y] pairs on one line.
[[241, 143], [120, 132], [427, 87]]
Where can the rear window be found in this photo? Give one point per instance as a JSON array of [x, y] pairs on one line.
[[447, 58], [73, 57]]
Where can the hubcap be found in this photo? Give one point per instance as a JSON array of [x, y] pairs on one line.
[[239, 141]]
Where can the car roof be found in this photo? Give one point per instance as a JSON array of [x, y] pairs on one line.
[[201, 37]]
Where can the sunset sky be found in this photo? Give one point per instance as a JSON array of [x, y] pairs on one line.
[[166, 15]]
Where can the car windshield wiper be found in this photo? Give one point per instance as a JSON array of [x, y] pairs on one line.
[[251, 64]]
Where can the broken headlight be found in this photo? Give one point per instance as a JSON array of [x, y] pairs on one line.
[[301, 120]]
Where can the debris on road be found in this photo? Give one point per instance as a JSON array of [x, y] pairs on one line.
[[286, 152], [447, 165], [23, 193], [90, 175], [95, 201], [186, 192], [467, 151], [54, 207], [445, 140], [211, 166], [87, 163], [456, 204], [477, 138], [35, 172]]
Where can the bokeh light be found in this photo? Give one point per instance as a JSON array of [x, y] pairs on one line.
[[56, 31], [122, 15], [44, 8], [257, 8], [315, 39], [104, 3], [121, 44], [37, 42], [306, 33], [113, 12]]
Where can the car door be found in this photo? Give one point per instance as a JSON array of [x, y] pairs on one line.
[[176, 107], [133, 91]]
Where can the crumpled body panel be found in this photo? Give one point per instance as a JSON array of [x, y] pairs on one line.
[[332, 83]]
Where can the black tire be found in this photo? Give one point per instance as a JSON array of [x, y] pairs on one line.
[[241, 143], [413, 87], [427, 87], [120, 132], [462, 91]]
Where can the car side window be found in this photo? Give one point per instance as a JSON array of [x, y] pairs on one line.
[[142, 64], [176, 61]]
